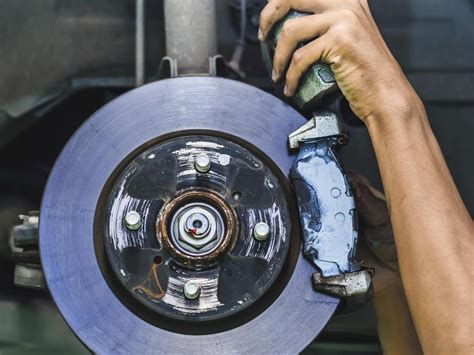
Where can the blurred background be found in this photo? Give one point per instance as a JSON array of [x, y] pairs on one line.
[[61, 60]]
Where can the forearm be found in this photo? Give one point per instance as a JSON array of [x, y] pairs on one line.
[[433, 231], [395, 326]]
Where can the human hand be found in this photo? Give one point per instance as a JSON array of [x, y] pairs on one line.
[[343, 34]]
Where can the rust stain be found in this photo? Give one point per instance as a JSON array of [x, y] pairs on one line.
[[151, 286], [197, 195]]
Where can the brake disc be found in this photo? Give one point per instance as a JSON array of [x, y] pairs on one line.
[[146, 248]]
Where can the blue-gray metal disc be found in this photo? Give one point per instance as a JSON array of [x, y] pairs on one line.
[[68, 255]]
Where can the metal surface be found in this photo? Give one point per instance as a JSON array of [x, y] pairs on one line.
[[326, 206], [153, 262], [191, 290], [327, 210], [191, 34], [322, 124], [202, 163], [24, 246], [25, 235], [316, 82], [29, 276], [261, 231], [133, 220], [139, 42], [199, 251], [353, 287], [77, 283]]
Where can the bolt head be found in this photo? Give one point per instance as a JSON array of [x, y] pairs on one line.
[[202, 163], [133, 220], [197, 224], [261, 231], [191, 290]]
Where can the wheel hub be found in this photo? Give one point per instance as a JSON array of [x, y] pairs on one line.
[[195, 227], [202, 227]]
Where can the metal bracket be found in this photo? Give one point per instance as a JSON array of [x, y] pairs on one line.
[[169, 67], [24, 246], [354, 287], [324, 124]]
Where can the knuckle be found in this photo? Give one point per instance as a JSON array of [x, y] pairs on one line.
[[298, 57], [342, 36], [287, 29], [349, 15], [278, 4]]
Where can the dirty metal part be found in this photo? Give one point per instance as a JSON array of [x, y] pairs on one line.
[[202, 163], [191, 290], [261, 231], [154, 262], [353, 287], [10, 208], [322, 124], [139, 42], [325, 200], [327, 209], [24, 245], [222, 220], [79, 285], [316, 82], [29, 276], [133, 220], [25, 235], [191, 34], [169, 67]]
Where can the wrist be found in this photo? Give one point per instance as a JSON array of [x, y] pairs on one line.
[[396, 112]]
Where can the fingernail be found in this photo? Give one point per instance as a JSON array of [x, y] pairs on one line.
[[260, 34], [286, 91], [274, 75]]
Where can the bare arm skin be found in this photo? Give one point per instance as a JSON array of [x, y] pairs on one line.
[[376, 247], [434, 233]]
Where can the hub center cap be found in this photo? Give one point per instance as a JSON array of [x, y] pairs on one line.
[[197, 226]]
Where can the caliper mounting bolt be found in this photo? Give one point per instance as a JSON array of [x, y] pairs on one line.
[[133, 220], [202, 163], [191, 290], [261, 231]]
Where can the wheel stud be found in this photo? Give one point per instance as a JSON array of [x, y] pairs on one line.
[[191, 290], [133, 220], [261, 231], [202, 163]]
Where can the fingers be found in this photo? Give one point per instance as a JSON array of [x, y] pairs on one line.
[[271, 14], [275, 10], [295, 31], [302, 59]]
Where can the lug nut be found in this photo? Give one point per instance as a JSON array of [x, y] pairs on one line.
[[133, 220], [261, 231], [202, 163], [191, 290]]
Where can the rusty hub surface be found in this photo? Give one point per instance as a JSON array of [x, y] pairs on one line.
[[196, 226], [218, 234]]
